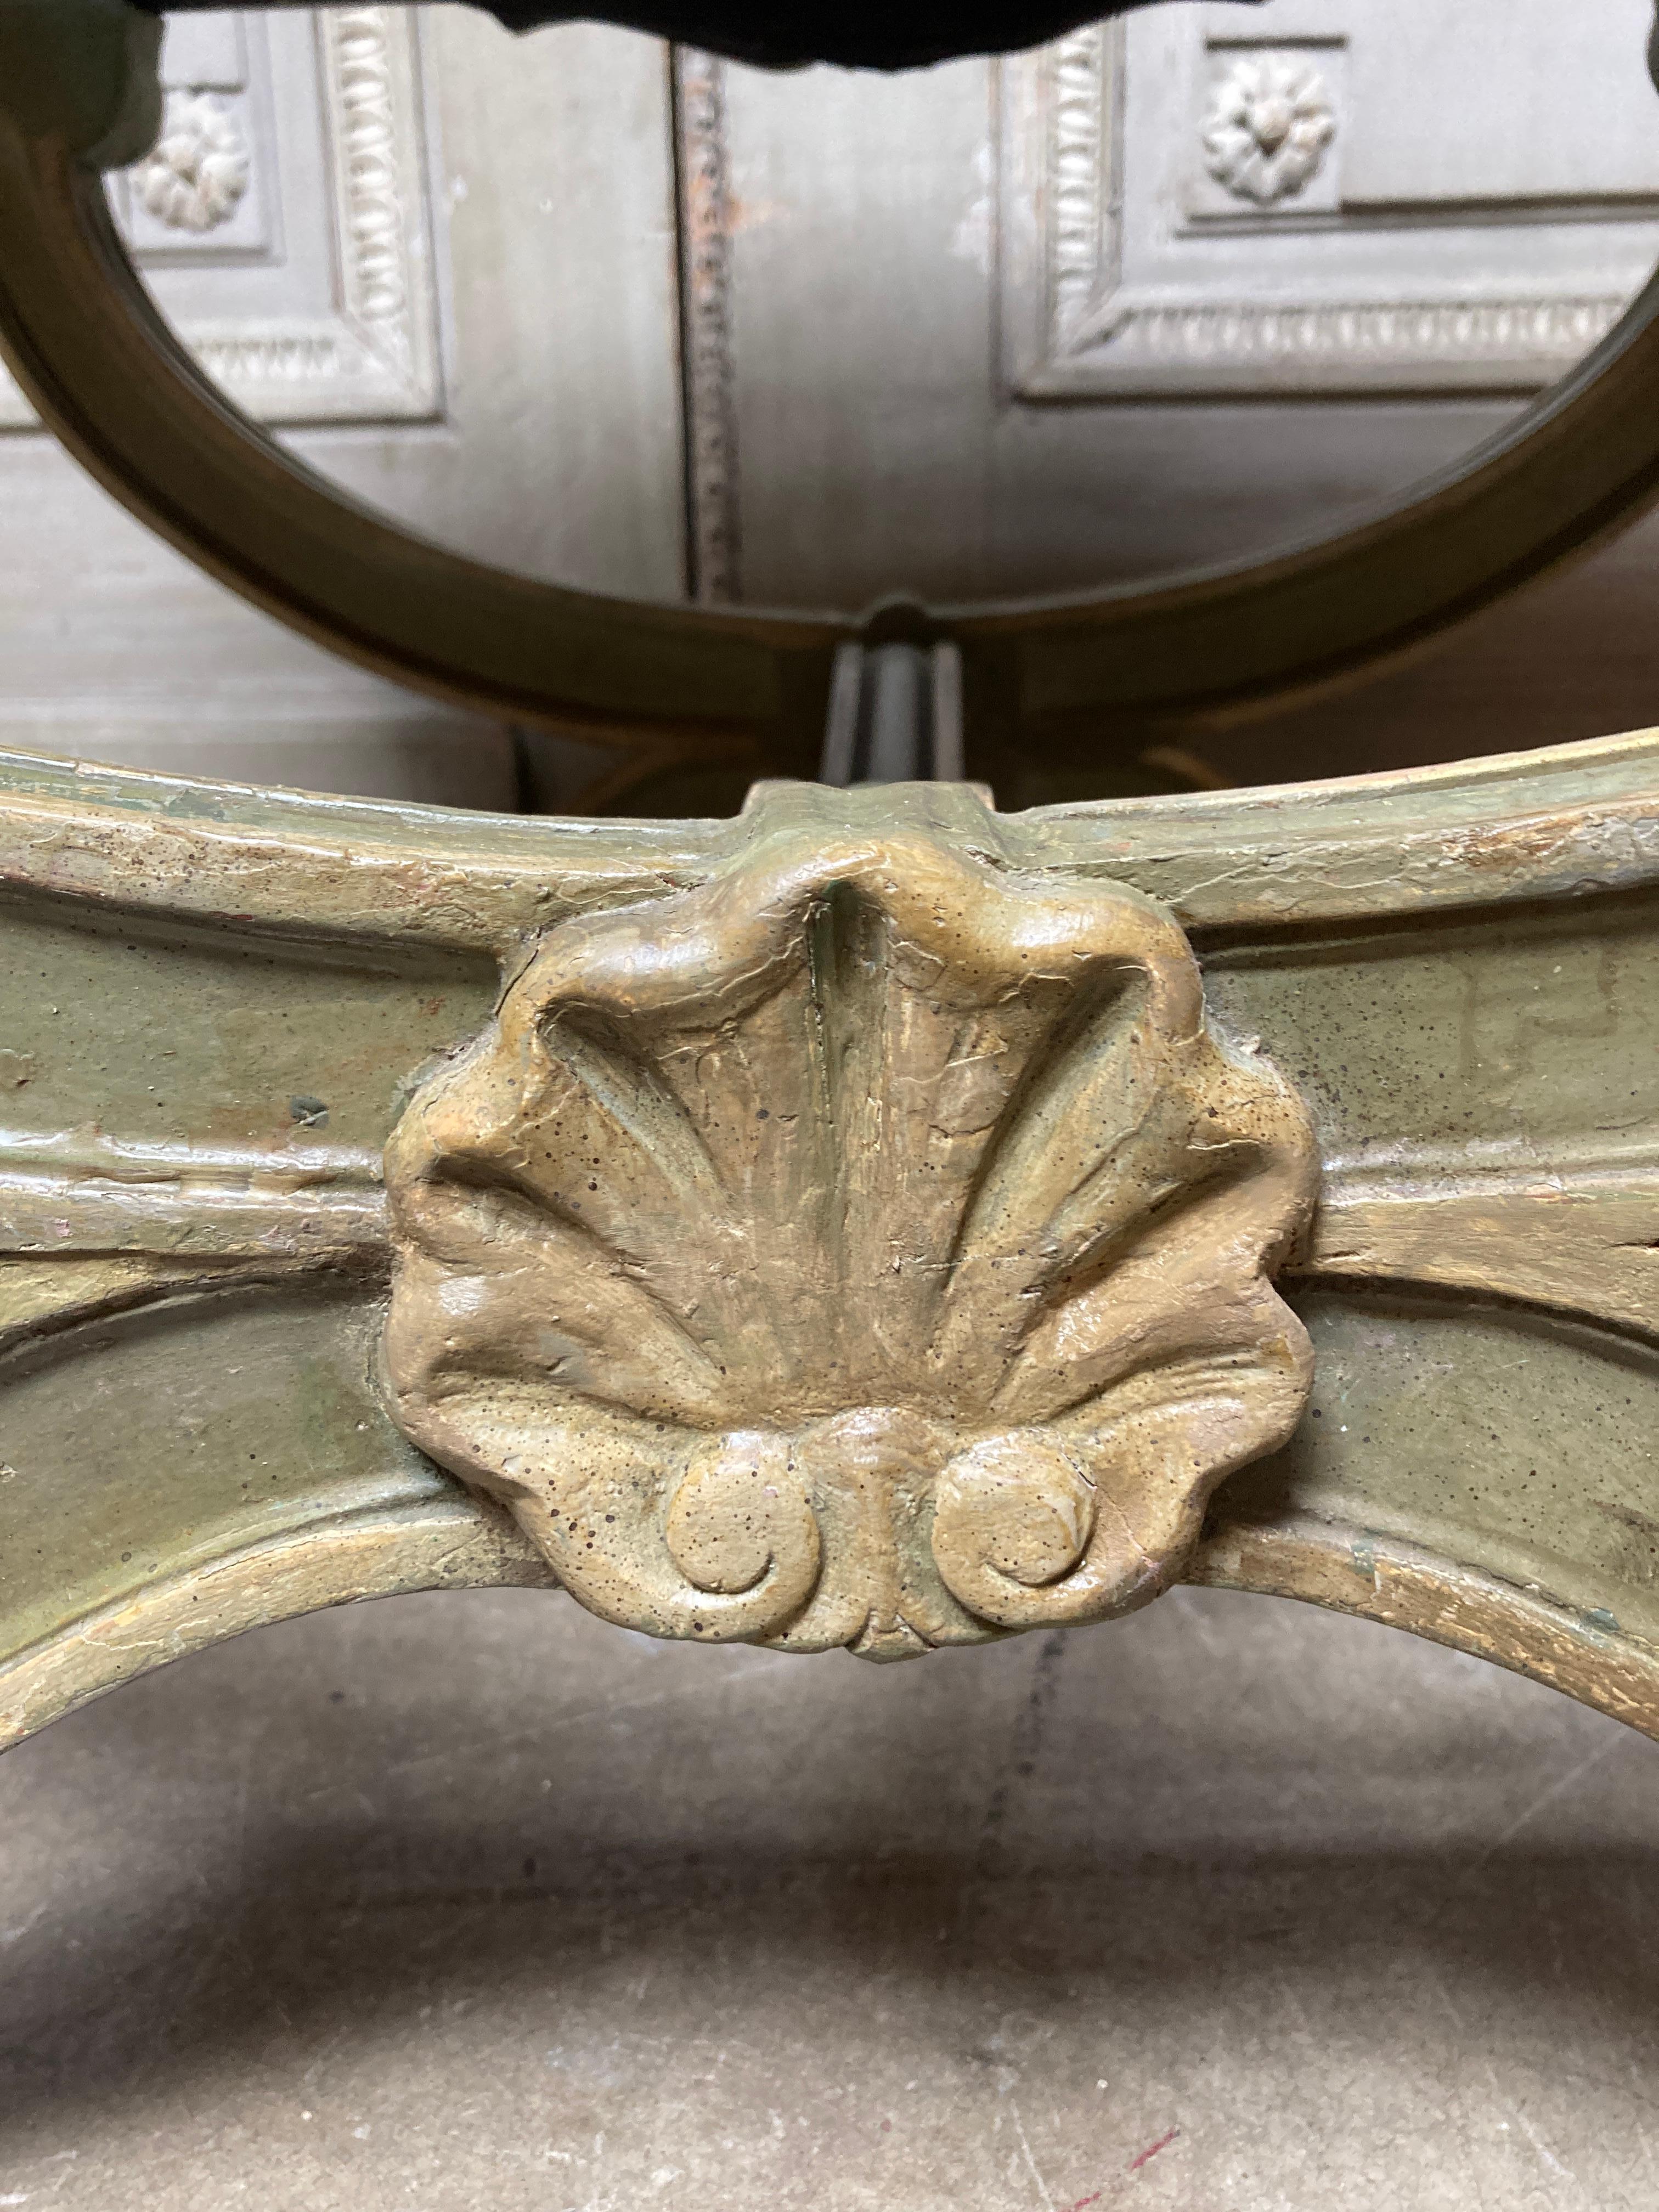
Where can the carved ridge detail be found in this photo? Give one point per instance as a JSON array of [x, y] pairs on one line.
[[372, 353], [360, 72], [1083, 260], [1090, 333], [713, 546], [1406, 331], [869, 1246]]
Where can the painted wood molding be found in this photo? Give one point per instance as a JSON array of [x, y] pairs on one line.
[[385, 1201]]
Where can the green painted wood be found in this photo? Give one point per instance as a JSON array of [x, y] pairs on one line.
[[214, 1004]]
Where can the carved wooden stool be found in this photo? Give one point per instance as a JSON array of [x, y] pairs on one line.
[[872, 1221]]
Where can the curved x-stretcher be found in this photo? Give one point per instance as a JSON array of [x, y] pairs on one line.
[[874, 1222]]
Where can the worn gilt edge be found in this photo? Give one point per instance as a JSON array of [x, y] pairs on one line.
[[440, 1544], [73, 1188], [1523, 826], [88, 1227], [460, 1544], [1349, 1569], [46, 1298], [1579, 1239], [1583, 1241]]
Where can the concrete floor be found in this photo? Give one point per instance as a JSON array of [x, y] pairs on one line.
[[470, 1902]]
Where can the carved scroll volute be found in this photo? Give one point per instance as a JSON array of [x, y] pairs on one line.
[[868, 1247]]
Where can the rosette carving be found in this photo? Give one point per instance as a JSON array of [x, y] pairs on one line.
[[197, 174], [1269, 123], [870, 1246]]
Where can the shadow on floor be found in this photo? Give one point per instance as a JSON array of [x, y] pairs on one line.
[[461, 1902]]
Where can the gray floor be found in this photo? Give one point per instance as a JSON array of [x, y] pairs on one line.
[[470, 1902]]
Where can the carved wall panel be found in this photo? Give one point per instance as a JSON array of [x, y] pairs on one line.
[[885, 280], [1316, 199], [282, 220], [296, 240]]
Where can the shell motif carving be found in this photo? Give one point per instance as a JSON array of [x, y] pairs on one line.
[[870, 1247]]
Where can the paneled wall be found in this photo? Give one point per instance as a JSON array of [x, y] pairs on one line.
[[1167, 292], [420, 257]]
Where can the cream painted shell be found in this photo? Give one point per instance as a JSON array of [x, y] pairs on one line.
[[869, 1246]]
